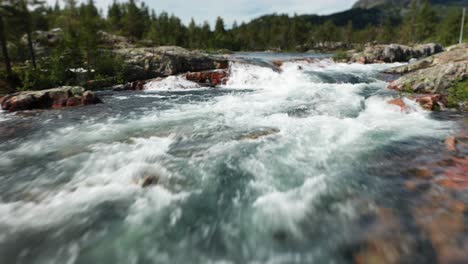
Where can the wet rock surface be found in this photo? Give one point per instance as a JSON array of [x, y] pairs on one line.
[[261, 133], [60, 97], [208, 78]]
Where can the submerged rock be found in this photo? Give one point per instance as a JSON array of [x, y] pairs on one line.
[[399, 102], [60, 97], [451, 143], [386, 241], [148, 181], [261, 133]]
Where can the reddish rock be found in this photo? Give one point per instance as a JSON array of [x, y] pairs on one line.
[[394, 86], [424, 173], [74, 101], [20, 102], [46, 99], [385, 241], [138, 85], [211, 78], [89, 98], [441, 217], [278, 63], [59, 104], [222, 65], [362, 60], [429, 101], [399, 102], [451, 144]]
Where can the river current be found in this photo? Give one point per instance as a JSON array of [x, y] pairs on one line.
[[273, 167]]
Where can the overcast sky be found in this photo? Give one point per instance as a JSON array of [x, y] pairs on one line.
[[239, 10]]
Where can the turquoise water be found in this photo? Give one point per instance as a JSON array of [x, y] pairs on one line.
[[274, 167]]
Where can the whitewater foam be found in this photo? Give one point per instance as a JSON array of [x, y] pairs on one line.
[[197, 149], [171, 83]]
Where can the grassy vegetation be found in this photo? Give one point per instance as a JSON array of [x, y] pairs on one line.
[[458, 95], [340, 55]]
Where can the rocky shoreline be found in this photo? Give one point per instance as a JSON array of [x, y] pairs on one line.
[[427, 79], [435, 78]]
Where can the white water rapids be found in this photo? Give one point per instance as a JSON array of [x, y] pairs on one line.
[[69, 192]]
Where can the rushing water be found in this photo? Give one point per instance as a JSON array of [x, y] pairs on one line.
[[275, 167]]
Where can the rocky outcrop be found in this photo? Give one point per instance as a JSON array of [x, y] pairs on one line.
[[61, 97], [114, 41], [45, 38], [393, 53], [433, 75], [147, 63], [329, 46]]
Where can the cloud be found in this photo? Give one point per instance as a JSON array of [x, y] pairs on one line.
[[237, 10]]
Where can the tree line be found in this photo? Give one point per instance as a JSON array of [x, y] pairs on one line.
[[80, 24]]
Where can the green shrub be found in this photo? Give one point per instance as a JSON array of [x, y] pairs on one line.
[[33, 79], [340, 56], [458, 94]]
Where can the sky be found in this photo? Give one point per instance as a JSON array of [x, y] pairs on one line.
[[237, 10]]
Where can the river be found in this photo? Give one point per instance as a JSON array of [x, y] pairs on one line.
[[273, 167]]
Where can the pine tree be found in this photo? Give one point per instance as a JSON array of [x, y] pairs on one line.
[[89, 26], [5, 10], [193, 35], [206, 36], [349, 31], [133, 21], [386, 32], [409, 27], [426, 22], [220, 37], [448, 30], [114, 16]]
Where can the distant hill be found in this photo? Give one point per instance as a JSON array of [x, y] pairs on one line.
[[368, 4], [358, 16]]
